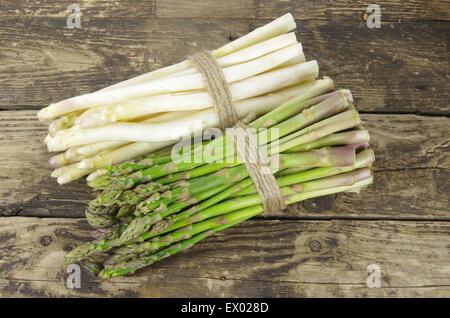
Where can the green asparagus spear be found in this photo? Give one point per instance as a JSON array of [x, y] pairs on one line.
[[209, 228], [342, 179], [326, 157], [130, 267]]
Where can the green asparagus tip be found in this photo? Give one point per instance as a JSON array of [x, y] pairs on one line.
[[93, 267], [113, 272], [101, 182], [124, 182], [77, 254], [124, 211], [107, 197], [100, 221]]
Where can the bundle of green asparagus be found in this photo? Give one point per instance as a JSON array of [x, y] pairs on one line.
[[147, 113], [167, 201]]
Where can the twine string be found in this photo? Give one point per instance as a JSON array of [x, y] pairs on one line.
[[256, 161], [217, 88]]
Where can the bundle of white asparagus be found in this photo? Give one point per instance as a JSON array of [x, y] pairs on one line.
[[264, 68]]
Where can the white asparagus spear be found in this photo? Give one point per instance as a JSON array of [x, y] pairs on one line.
[[60, 160], [64, 122], [71, 171], [254, 86], [96, 174], [182, 83], [68, 121], [78, 153], [74, 172], [271, 30], [250, 87], [241, 56], [277, 27], [74, 125], [250, 53], [260, 104], [131, 131], [85, 151], [257, 105], [296, 60]]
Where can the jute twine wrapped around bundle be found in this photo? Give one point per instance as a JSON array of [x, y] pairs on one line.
[[256, 161]]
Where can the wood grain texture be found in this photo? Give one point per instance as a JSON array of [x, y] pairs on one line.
[[320, 247], [391, 10], [43, 62], [408, 148], [89, 9], [337, 10], [255, 259]]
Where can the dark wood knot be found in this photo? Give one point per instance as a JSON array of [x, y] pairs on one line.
[[45, 240], [315, 246]]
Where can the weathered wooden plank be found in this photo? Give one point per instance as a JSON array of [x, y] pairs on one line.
[[341, 10], [383, 70], [43, 62], [257, 259], [411, 173], [345, 10], [89, 9], [24, 172], [49, 62], [191, 9]]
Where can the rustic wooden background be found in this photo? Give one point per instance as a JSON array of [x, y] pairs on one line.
[[399, 75]]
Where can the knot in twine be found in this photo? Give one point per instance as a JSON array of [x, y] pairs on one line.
[[256, 162]]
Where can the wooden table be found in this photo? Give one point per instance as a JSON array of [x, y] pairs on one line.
[[399, 75]]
